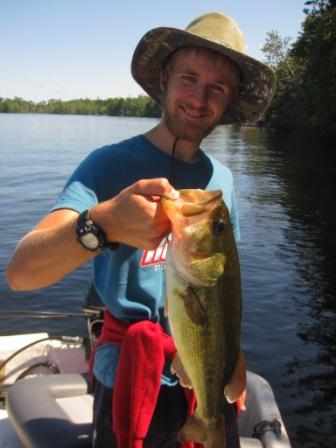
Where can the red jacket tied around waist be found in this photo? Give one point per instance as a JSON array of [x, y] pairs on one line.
[[144, 348]]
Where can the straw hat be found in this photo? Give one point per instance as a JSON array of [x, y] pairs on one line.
[[217, 32]]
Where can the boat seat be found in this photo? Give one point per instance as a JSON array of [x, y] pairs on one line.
[[55, 411], [249, 442], [51, 411]]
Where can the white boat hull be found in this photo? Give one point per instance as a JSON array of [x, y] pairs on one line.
[[70, 359]]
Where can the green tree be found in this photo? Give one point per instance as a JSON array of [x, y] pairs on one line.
[[306, 73], [315, 51], [276, 51], [289, 91]]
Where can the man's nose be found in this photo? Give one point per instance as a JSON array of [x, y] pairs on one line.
[[200, 95]]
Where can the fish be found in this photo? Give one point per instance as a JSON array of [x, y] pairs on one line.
[[204, 307]]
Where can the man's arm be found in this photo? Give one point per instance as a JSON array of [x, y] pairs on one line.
[[50, 251]]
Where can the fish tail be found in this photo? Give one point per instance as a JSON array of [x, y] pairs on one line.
[[216, 436], [194, 430], [197, 430]]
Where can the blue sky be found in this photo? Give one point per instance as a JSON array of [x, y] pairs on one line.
[[83, 48]]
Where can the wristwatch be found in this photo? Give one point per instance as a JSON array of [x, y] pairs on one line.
[[91, 236]]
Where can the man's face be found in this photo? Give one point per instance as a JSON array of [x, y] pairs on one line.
[[199, 89]]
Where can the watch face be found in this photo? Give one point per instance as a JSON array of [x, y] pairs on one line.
[[90, 241]]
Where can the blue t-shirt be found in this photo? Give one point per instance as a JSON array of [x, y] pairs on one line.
[[130, 281]]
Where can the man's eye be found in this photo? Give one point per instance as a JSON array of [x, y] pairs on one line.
[[189, 78], [218, 88]]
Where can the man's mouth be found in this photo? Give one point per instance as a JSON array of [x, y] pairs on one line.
[[193, 113]]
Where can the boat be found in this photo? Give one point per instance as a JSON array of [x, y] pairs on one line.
[[46, 400]]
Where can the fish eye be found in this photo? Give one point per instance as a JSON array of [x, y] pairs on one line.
[[218, 226]]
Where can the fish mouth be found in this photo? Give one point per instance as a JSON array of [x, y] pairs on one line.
[[191, 202], [199, 198], [191, 206]]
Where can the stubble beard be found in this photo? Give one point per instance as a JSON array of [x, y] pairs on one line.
[[186, 131]]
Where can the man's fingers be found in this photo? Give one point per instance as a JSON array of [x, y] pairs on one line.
[[135, 216], [155, 187]]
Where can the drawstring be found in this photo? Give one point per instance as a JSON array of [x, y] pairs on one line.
[[171, 177]]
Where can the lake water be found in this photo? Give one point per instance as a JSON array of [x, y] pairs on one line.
[[286, 193]]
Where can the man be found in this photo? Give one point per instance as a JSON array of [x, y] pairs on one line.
[[109, 210]]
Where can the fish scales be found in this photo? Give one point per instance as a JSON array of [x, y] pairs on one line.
[[204, 305]]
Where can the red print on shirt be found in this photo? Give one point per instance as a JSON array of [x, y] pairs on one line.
[[156, 256]]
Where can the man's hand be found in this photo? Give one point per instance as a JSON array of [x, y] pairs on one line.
[[50, 251], [135, 216]]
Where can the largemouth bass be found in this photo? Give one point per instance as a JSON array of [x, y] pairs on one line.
[[204, 309]]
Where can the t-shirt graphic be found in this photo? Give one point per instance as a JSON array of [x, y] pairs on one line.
[[156, 256]]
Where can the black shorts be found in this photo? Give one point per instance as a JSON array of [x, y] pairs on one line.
[[169, 416]]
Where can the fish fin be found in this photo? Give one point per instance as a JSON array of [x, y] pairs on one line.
[[194, 307], [237, 384], [197, 430], [178, 368]]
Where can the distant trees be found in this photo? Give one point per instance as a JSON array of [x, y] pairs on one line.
[[141, 106], [306, 90], [306, 73]]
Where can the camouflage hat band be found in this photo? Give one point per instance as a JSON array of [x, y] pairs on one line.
[[216, 32]]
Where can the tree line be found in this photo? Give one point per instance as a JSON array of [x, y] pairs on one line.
[[141, 106], [305, 98]]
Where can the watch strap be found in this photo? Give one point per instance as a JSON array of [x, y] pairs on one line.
[[85, 224]]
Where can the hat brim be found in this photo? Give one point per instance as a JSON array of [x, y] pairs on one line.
[[258, 84]]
